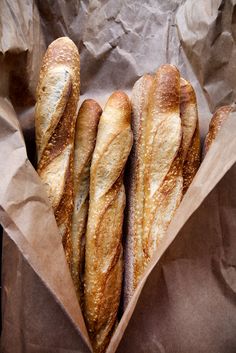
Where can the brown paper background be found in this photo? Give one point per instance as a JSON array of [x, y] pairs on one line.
[[188, 301], [26, 321]]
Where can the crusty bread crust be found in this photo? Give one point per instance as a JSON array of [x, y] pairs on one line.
[[161, 172], [103, 248], [163, 169], [135, 188], [191, 147], [85, 139], [217, 120], [55, 116]]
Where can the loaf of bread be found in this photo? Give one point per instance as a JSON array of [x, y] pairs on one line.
[[218, 119], [103, 247], [159, 169], [191, 147], [55, 116], [135, 187], [85, 138]]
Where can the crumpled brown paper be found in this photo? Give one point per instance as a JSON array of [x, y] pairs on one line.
[[187, 298]]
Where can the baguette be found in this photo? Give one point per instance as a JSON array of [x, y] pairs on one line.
[[218, 119], [55, 115], [103, 249], [162, 174], [135, 188], [163, 183], [85, 138], [191, 152]]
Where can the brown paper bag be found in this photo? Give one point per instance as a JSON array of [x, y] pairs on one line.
[[186, 300]]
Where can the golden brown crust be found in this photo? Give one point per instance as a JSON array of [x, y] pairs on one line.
[[103, 249], [61, 51], [57, 99], [218, 119], [159, 160], [85, 138], [135, 189], [163, 171], [191, 136], [165, 91], [192, 161]]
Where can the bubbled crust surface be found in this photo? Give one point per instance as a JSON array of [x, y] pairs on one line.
[[191, 147], [85, 139], [103, 249], [217, 120], [55, 164]]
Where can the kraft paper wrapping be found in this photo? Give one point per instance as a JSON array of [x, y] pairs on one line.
[[186, 301]]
